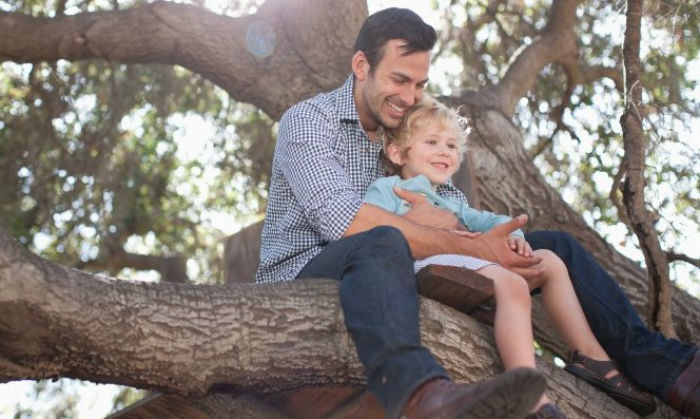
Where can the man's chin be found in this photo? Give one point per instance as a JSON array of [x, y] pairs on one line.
[[391, 122]]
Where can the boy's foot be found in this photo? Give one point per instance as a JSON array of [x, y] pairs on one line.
[[547, 411], [509, 395], [618, 387]]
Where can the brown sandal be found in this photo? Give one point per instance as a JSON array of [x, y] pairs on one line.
[[617, 386]]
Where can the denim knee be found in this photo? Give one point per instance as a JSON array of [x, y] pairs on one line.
[[387, 239]]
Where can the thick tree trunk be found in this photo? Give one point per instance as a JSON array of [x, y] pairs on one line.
[[187, 339]]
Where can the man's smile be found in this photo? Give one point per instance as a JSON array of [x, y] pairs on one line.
[[397, 109]]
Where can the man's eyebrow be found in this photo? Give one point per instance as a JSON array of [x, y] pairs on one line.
[[405, 77]]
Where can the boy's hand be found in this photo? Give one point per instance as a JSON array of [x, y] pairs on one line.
[[493, 245], [424, 213], [519, 246]]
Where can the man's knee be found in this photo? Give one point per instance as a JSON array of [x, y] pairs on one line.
[[387, 238], [559, 242]]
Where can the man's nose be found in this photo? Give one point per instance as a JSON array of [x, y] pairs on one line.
[[410, 95]]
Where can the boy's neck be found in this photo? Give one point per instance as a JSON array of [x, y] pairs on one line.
[[433, 186]]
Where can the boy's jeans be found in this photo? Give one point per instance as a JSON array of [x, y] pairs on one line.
[[647, 358]]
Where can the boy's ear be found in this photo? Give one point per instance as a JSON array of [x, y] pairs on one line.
[[394, 154], [360, 65]]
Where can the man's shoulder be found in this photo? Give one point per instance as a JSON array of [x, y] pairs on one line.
[[324, 106]]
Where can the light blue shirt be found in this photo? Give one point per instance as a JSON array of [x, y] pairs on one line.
[[381, 194]]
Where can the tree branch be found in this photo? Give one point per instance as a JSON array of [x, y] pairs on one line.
[[673, 257], [641, 220], [206, 43], [556, 42], [187, 339]]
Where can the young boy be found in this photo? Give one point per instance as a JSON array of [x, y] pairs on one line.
[[421, 155]]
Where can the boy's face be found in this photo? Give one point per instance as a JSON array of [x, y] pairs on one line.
[[434, 154], [395, 85]]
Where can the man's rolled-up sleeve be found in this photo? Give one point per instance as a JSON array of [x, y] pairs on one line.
[[315, 173]]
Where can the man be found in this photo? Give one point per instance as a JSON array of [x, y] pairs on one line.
[[327, 154], [317, 226]]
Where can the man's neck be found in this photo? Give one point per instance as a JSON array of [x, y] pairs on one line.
[[375, 135]]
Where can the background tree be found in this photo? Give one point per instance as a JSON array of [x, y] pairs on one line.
[[91, 148]]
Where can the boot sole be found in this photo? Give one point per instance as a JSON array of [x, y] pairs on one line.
[[512, 394]]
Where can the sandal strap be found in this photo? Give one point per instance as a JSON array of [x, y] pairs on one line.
[[599, 367], [602, 368]]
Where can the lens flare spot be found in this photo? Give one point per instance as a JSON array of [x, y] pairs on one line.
[[260, 39]]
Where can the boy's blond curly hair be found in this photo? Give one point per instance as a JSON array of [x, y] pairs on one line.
[[426, 110]]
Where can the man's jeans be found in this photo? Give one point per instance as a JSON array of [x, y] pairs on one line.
[[379, 297], [646, 357]]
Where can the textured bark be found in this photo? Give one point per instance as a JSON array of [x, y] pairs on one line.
[[638, 217], [187, 339], [312, 44]]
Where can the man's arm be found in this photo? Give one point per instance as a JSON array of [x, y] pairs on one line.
[[427, 241], [317, 179]]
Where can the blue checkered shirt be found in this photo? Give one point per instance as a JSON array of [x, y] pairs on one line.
[[323, 164]]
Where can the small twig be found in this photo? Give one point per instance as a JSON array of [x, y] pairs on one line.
[[675, 257]]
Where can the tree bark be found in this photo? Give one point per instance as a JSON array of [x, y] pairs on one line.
[[187, 339]]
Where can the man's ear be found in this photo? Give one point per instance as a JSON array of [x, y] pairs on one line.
[[360, 65], [394, 154]]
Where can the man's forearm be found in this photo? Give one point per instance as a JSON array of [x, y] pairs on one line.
[[424, 241], [428, 241]]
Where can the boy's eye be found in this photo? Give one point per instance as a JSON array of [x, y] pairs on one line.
[[452, 146]]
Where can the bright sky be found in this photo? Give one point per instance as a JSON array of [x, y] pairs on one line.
[[95, 400]]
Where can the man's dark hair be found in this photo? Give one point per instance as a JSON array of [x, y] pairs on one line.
[[393, 23]]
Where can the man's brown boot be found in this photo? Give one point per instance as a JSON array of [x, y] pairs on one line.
[[684, 396], [510, 395]]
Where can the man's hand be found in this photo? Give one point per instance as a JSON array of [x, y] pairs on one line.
[[424, 213], [520, 246], [494, 246]]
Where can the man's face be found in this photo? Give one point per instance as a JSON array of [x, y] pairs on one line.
[[395, 85]]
